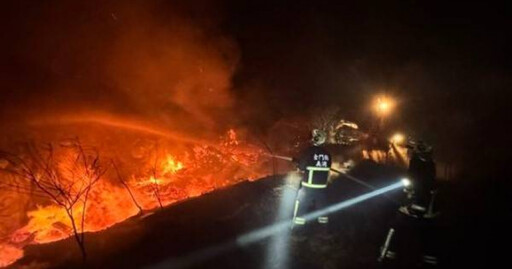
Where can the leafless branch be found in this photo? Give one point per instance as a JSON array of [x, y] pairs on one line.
[[154, 185], [64, 188], [123, 182]]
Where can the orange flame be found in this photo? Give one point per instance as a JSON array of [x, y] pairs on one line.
[[172, 166], [9, 254], [148, 186]]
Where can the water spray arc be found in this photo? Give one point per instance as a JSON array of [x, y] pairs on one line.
[[356, 180]]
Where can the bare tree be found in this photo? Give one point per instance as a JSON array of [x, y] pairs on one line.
[[154, 184], [67, 186], [326, 119], [125, 185]]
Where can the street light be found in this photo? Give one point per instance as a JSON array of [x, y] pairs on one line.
[[383, 106]]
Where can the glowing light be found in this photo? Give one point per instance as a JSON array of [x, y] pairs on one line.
[[406, 182], [383, 106], [397, 138]]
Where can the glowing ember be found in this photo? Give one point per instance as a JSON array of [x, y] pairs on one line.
[[9, 254]]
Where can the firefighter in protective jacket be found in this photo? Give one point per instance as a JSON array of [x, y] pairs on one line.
[[412, 234], [422, 173], [314, 163]]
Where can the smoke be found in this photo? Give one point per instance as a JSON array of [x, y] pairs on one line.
[[143, 84], [164, 64], [171, 67]]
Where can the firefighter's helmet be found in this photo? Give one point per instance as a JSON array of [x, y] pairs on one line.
[[420, 148], [318, 137]]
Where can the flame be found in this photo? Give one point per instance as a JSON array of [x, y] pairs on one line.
[[9, 254], [141, 122], [171, 165], [156, 180]]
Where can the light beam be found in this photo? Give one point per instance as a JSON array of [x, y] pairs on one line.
[[265, 232]]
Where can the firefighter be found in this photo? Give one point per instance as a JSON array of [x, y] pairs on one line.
[[414, 222], [422, 175], [314, 163]]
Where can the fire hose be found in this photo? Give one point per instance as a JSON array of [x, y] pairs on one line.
[[354, 179], [346, 175]]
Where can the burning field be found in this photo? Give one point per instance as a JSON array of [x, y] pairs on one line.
[[125, 112], [51, 191], [112, 169]]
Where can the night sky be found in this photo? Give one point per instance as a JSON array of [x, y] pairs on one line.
[[447, 63]]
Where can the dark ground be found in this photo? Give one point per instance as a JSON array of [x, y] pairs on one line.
[[212, 219]]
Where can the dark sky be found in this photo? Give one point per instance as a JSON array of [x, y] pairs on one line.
[[447, 64], [320, 53]]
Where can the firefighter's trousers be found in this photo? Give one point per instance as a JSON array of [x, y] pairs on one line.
[[410, 239], [309, 200]]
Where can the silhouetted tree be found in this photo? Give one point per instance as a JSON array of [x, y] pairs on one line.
[[64, 180]]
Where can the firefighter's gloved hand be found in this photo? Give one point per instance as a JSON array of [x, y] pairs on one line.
[[296, 162], [408, 190]]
